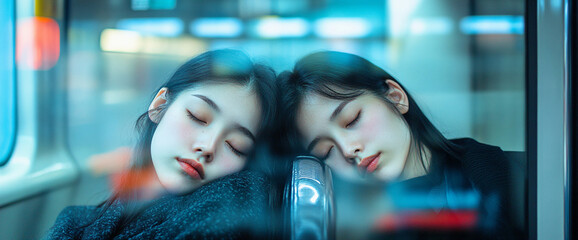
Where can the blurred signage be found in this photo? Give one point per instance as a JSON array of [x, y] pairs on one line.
[[164, 27], [142, 5], [492, 25], [217, 27], [274, 27]]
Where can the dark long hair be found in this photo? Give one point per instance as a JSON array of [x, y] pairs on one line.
[[344, 76], [218, 66]]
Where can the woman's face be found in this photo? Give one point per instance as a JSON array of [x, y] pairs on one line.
[[205, 134], [362, 137]]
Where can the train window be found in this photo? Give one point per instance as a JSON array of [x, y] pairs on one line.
[[7, 85], [463, 61], [68, 109], [466, 59]]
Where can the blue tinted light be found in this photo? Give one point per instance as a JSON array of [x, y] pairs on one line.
[[399, 13], [282, 27], [432, 26], [164, 27], [342, 27], [492, 25], [217, 27], [141, 5]]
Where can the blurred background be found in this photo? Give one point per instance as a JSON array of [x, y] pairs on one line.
[[89, 69], [463, 60]]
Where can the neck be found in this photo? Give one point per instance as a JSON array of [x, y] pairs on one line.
[[413, 166]]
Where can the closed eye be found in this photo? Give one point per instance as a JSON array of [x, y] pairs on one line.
[[354, 121], [326, 155], [191, 116], [234, 150]]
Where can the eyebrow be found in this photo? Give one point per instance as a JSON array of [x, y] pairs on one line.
[[238, 127], [338, 110], [245, 131], [208, 101]]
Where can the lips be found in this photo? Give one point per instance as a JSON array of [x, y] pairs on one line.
[[369, 164], [193, 168]]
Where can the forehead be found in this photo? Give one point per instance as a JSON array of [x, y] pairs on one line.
[[237, 103], [313, 114]]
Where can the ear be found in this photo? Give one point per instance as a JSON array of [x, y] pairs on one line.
[[397, 95], [160, 99]]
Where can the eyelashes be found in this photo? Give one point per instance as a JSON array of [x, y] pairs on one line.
[[191, 116], [327, 154], [227, 143], [348, 160], [350, 124], [234, 150], [354, 121]]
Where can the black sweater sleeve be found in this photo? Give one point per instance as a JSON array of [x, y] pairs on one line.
[[233, 207]]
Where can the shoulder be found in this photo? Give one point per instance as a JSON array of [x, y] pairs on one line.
[[246, 183], [77, 214], [474, 152], [490, 170], [471, 145], [69, 222], [485, 165], [230, 207]]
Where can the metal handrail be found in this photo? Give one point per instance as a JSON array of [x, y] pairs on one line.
[[312, 210]]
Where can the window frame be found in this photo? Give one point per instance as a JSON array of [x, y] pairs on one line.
[[7, 86], [40, 158]]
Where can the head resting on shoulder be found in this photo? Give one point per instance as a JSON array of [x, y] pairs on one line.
[[341, 106], [205, 121]]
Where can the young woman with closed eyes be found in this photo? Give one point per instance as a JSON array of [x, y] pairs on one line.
[[197, 141], [362, 123], [204, 134]]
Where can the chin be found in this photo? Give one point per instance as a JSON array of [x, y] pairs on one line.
[[179, 187]]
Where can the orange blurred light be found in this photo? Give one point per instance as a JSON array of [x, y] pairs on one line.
[[37, 43]]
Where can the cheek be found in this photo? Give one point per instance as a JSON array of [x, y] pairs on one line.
[[181, 129], [184, 130], [372, 126], [230, 164], [173, 132]]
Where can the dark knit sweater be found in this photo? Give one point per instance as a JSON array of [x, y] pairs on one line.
[[476, 168], [233, 207], [489, 171]]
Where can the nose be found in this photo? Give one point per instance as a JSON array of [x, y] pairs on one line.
[[352, 155], [351, 150], [204, 147], [203, 154]]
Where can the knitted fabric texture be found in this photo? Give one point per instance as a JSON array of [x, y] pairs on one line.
[[233, 207]]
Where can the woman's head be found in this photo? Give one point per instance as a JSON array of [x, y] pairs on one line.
[[204, 122], [342, 108]]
